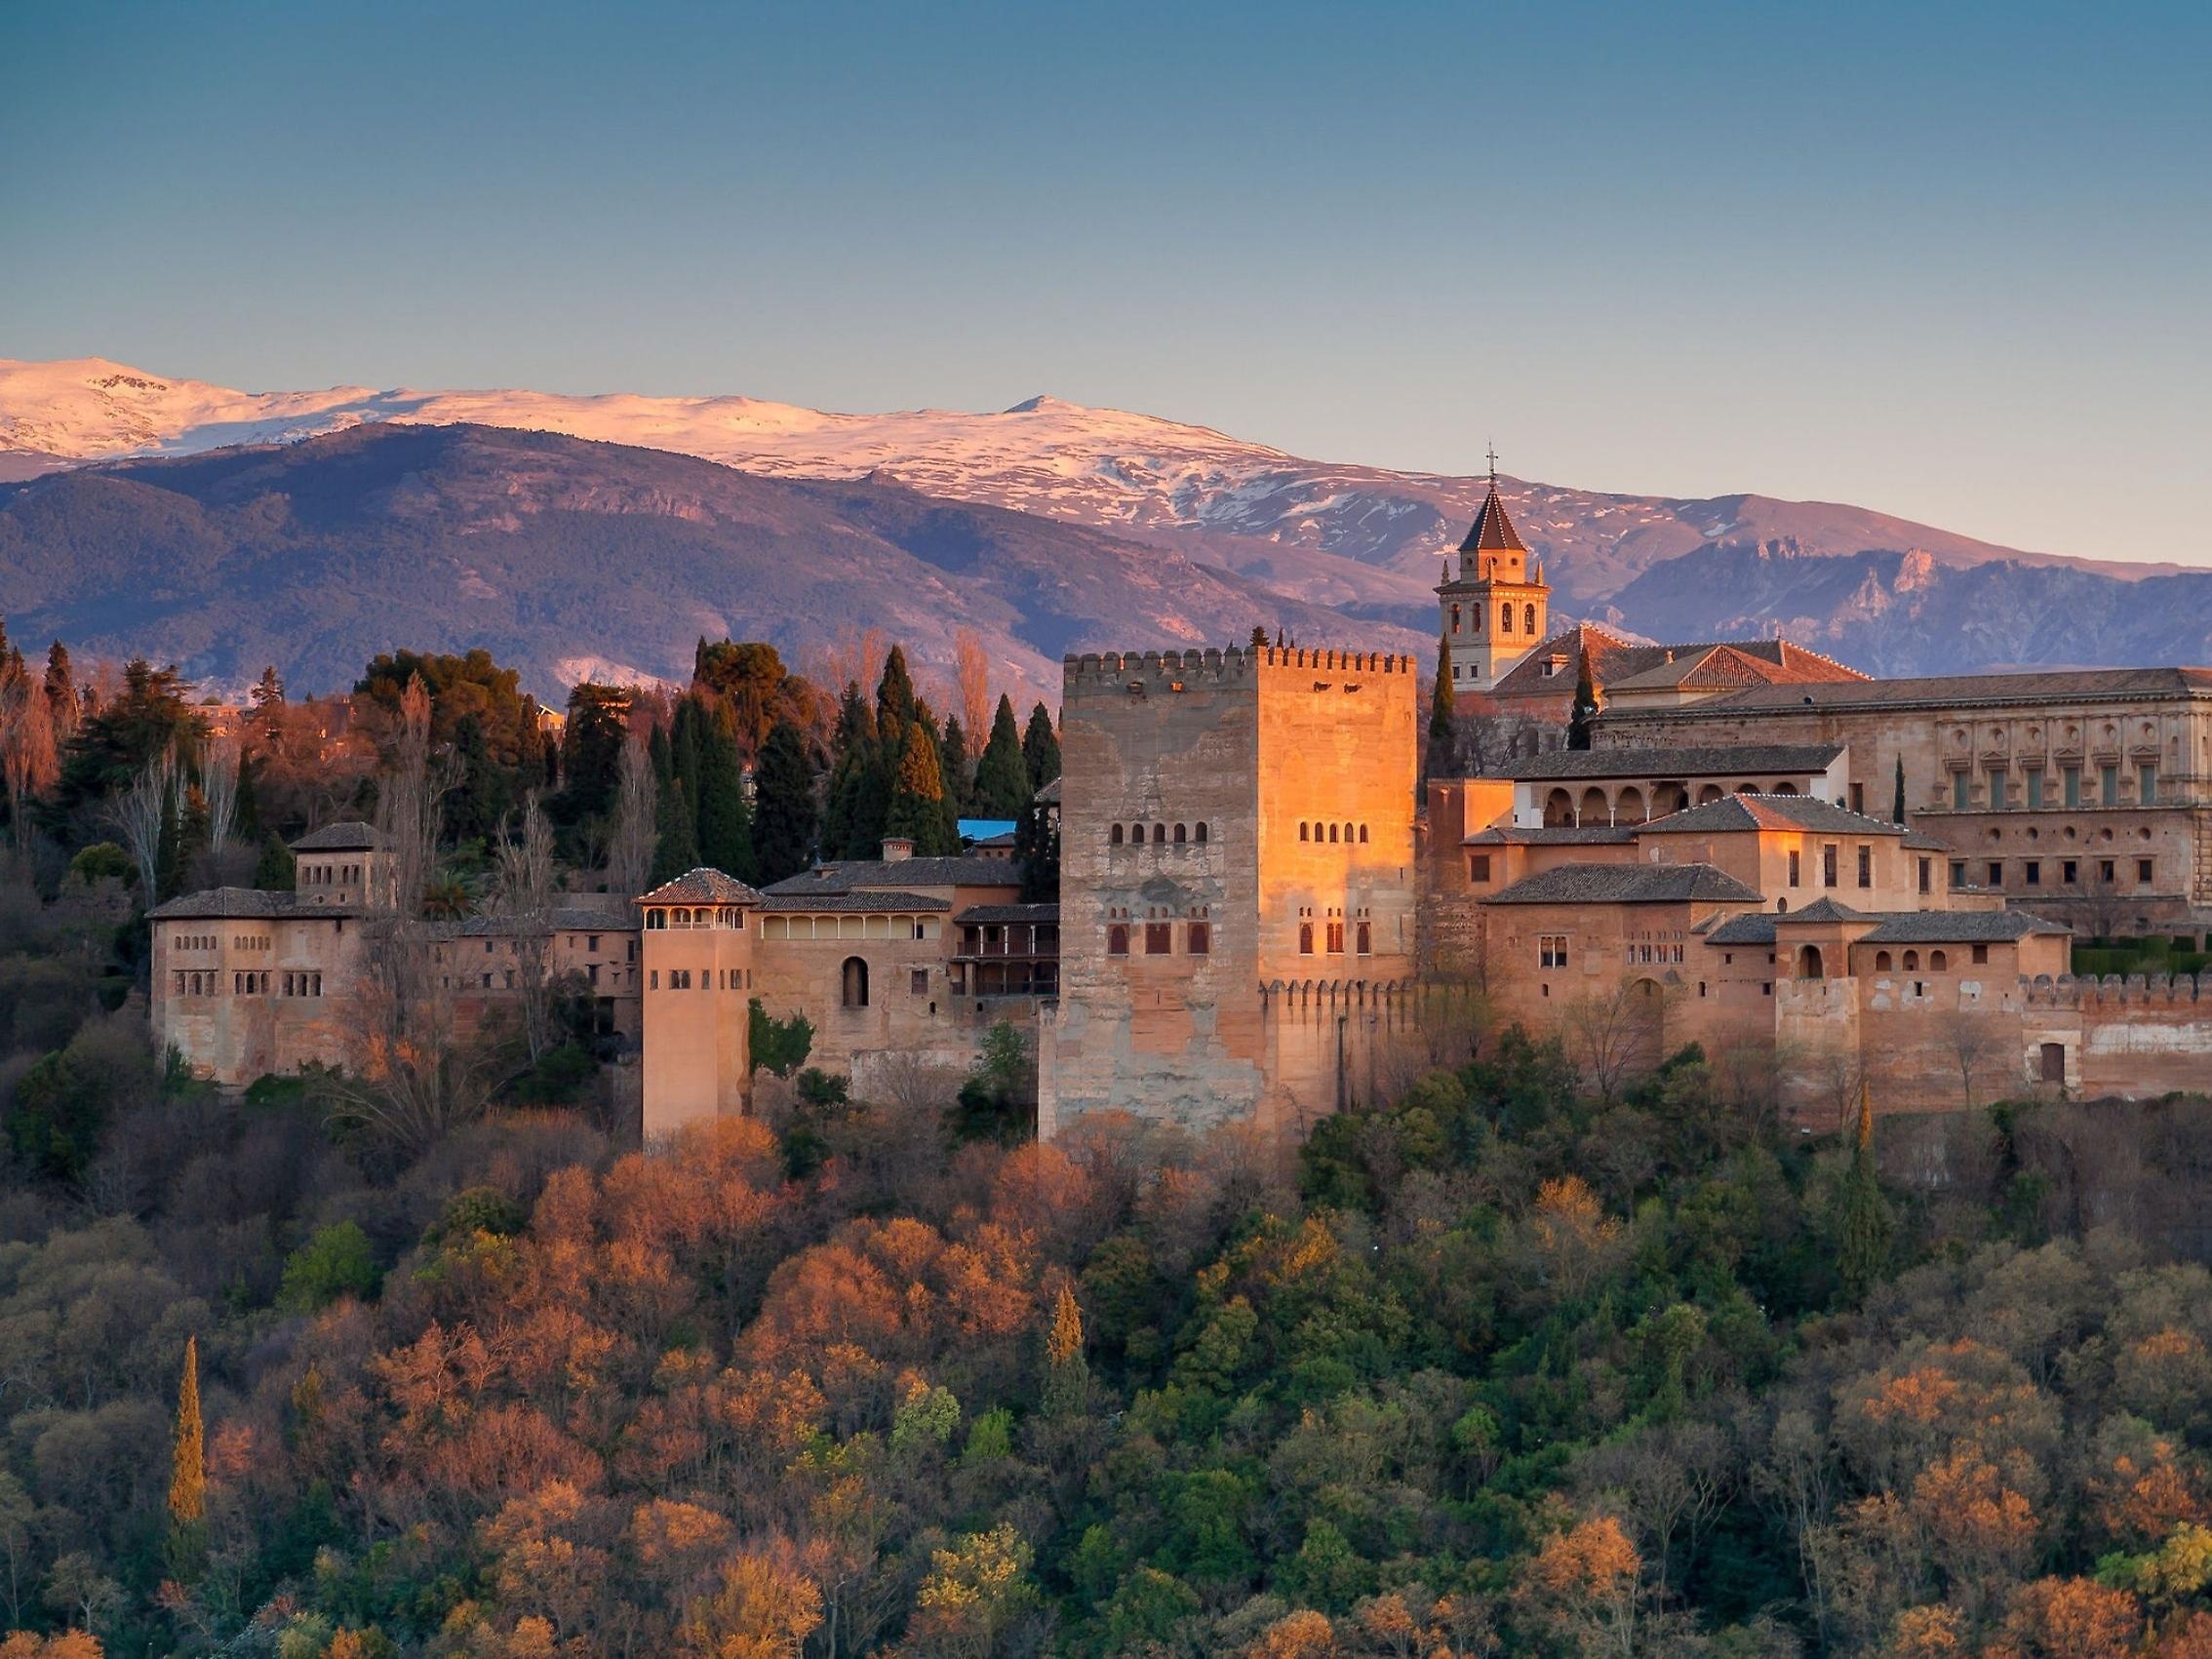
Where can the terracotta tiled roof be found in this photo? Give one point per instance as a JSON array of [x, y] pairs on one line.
[[1825, 910], [1492, 531], [220, 903], [1554, 835], [1947, 690], [1617, 662], [703, 886], [846, 875], [1737, 814], [979, 913], [351, 836], [868, 899], [1628, 884], [1958, 927], [1626, 760]]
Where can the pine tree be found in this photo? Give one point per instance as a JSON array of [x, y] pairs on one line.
[[267, 694], [894, 700], [1259, 640], [783, 821], [1444, 728], [1864, 1249], [1003, 789], [951, 763], [188, 1476], [726, 819], [676, 848], [1041, 748], [1067, 1373], [1897, 805], [1580, 722], [918, 795], [947, 836], [275, 872], [62, 691]]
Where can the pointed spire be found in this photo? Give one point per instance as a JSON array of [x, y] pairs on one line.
[[1492, 531]]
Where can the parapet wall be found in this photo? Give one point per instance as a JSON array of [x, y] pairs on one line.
[[1113, 670], [2115, 993]]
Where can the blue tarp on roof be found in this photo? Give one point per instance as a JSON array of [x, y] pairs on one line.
[[983, 829]]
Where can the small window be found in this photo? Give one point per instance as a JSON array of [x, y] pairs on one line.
[[1911, 960], [1866, 866], [1303, 830], [1927, 873], [1198, 938], [2031, 872], [1199, 833], [852, 983], [918, 982], [1362, 835], [1478, 866], [1114, 836], [1159, 835], [2142, 871], [1997, 873], [1795, 868], [1305, 939], [1828, 865], [1366, 941], [1881, 962], [1159, 938], [1331, 832], [1180, 834], [1937, 962], [1118, 939], [1981, 953], [1551, 950], [1336, 938]]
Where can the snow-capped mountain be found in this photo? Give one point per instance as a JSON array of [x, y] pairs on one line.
[[1363, 540]]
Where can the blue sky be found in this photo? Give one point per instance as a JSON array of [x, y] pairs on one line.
[[1952, 262]]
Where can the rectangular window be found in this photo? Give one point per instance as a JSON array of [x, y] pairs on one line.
[[2031, 873], [1478, 866], [2070, 872], [2142, 871], [1199, 939], [2035, 790], [1858, 797], [1866, 866], [1118, 939], [2070, 785], [1997, 873], [1366, 939], [1794, 866], [591, 941], [1927, 873], [1998, 788], [1981, 953], [1959, 790], [2107, 871], [918, 982], [2109, 785], [2147, 786], [1336, 938], [1959, 872], [1828, 865], [1551, 950], [1159, 938]]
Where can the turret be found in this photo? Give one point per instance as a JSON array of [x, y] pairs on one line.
[[1495, 611]]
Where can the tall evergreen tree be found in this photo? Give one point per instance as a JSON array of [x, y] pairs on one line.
[[947, 837], [1067, 1373], [664, 758], [485, 794], [1863, 1252], [1002, 776], [952, 762], [1036, 848], [1041, 748], [894, 700], [62, 699], [918, 797], [591, 751], [783, 820], [1582, 720], [726, 819], [1438, 758], [188, 1474], [1897, 807], [677, 847]]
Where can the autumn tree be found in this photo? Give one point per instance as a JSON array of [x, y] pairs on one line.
[[188, 1476]]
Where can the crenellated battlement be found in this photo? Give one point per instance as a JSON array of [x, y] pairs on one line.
[[1094, 671], [2112, 991]]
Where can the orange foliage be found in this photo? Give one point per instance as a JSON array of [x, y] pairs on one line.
[[1593, 1558], [2068, 1618], [1303, 1634], [1928, 1632]]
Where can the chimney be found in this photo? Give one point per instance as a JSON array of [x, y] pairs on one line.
[[896, 848]]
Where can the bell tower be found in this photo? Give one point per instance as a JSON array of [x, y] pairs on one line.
[[1495, 612]]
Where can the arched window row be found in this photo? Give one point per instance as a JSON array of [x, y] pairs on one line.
[[1309, 830], [726, 916], [1158, 835]]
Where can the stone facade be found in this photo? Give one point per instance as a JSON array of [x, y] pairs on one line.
[[1237, 882]]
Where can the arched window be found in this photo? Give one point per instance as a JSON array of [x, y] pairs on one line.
[[1809, 963], [1362, 835], [680, 917], [1347, 832], [1303, 828], [1881, 962], [1305, 939], [1505, 619], [1332, 832], [1456, 619], [1528, 619], [1136, 834], [1911, 960], [1114, 836], [1179, 835], [655, 921], [1159, 835], [1201, 836], [853, 983], [1938, 961]]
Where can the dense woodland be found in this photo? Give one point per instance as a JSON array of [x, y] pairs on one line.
[[1509, 1363]]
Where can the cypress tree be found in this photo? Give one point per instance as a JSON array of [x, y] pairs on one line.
[[1067, 1373], [947, 837], [1897, 807], [1585, 705], [726, 820], [1864, 1249], [1444, 728], [189, 1473], [1002, 776], [676, 848], [952, 762], [1037, 848], [783, 823], [275, 872], [894, 699], [659, 752], [917, 804], [1041, 748]]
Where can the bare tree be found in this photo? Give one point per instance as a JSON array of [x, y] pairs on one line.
[[1970, 1037], [140, 813], [29, 754], [854, 658], [631, 839], [523, 889], [219, 788], [1611, 1034], [971, 667]]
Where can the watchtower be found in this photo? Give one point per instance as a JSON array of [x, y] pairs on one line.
[[1495, 612]]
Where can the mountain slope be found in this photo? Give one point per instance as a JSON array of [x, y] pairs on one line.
[[565, 557], [1361, 540]]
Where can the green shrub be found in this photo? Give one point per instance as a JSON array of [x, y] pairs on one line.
[[335, 1262]]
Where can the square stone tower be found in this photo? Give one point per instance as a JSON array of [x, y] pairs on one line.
[[1236, 883], [1495, 612], [697, 934]]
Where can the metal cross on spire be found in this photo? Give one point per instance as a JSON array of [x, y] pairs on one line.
[[1493, 464]]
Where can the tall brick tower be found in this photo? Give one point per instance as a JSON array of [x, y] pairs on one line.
[[1495, 612]]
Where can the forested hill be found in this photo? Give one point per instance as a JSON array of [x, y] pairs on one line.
[[570, 559]]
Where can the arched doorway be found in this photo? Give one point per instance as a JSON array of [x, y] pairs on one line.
[[852, 983], [1809, 963]]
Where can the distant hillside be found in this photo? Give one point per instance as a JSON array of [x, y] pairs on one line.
[[568, 558]]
